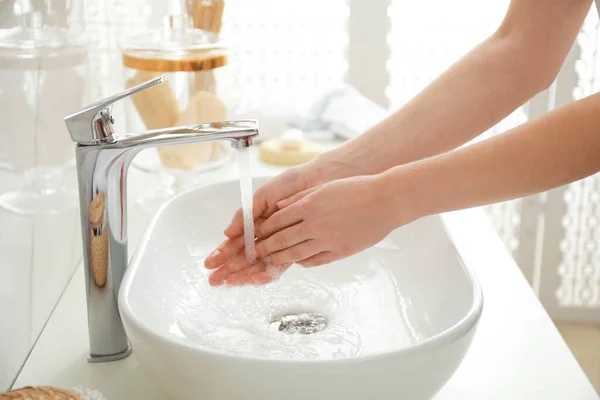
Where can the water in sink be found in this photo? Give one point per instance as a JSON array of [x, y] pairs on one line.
[[365, 312]]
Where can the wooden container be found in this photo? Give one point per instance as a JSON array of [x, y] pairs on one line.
[[196, 67]]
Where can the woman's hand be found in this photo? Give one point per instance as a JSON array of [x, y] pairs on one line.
[[319, 225], [264, 201], [288, 183]]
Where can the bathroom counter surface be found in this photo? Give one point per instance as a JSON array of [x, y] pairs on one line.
[[517, 352]]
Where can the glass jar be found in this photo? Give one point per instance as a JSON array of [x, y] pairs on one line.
[[43, 78], [195, 92], [37, 90], [21, 21]]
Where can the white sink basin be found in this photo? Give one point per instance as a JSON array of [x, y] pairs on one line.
[[400, 316]]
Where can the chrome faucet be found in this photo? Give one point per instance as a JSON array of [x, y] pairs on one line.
[[103, 159]]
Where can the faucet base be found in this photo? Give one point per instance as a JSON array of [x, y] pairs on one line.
[[92, 358]]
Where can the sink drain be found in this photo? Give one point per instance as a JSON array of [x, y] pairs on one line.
[[304, 323]]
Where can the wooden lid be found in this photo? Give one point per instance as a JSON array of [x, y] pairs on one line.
[[202, 61]]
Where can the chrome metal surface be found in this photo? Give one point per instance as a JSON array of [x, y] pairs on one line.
[[303, 323], [243, 143], [112, 357], [94, 123], [103, 159]]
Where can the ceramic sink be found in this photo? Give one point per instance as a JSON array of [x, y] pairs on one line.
[[392, 322]]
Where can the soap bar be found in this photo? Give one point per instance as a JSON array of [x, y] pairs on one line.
[[157, 106], [203, 107], [287, 151], [292, 140]]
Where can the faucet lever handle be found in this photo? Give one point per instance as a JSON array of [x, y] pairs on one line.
[[94, 123]]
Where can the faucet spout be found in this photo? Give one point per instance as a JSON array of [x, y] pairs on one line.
[[242, 143], [102, 167], [240, 131]]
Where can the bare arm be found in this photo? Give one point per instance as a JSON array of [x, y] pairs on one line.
[[561, 147], [340, 218], [519, 60]]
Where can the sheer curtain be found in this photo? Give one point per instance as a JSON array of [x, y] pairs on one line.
[[284, 51]]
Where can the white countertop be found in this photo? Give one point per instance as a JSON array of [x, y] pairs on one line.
[[517, 352]]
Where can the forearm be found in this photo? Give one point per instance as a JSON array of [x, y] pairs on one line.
[[558, 148], [477, 92], [470, 97]]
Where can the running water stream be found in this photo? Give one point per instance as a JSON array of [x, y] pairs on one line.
[[246, 190]]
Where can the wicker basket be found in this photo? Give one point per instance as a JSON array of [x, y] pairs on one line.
[[39, 393]]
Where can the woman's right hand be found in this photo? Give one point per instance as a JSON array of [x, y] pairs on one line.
[[283, 186]]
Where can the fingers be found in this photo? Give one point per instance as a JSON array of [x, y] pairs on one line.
[[244, 276], [271, 273], [282, 240], [232, 266], [224, 252], [322, 258], [236, 272], [275, 271], [280, 220], [266, 197], [292, 199], [299, 252], [259, 274], [228, 249], [236, 226]]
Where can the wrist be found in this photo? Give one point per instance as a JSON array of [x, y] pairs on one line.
[[407, 192], [329, 167]]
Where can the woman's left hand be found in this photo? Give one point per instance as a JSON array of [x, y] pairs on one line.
[[318, 226]]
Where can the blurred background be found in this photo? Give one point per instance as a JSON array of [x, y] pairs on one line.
[[276, 61]]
